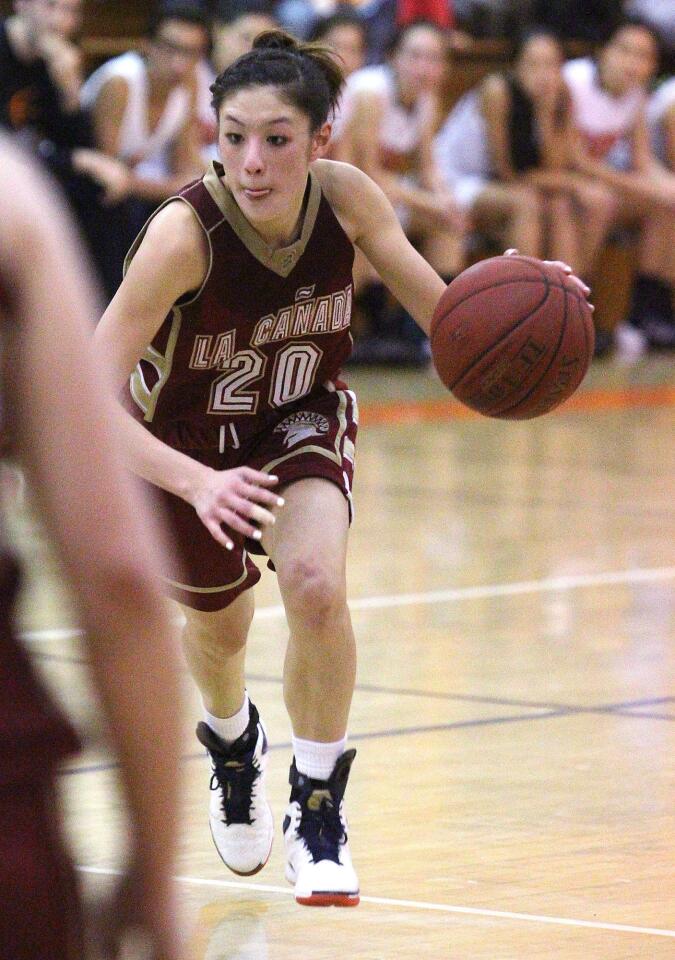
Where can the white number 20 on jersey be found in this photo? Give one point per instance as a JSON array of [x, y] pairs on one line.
[[295, 367]]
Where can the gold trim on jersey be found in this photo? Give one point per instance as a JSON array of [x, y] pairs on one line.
[[280, 261], [143, 396], [228, 586], [190, 296]]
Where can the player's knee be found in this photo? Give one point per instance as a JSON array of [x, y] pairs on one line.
[[313, 590], [216, 633]]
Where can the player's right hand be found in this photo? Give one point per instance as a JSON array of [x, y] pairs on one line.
[[239, 499]]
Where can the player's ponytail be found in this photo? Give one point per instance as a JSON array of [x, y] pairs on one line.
[[308, 75]]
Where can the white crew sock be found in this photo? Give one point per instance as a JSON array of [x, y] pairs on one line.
[[317, 760], [229, 728]]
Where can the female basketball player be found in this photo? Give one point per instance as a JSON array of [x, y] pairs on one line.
[[233, 321]]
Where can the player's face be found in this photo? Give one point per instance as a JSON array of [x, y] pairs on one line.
[[629, 60], [266, 147], [349, 43], [420, 61], [175, 49]]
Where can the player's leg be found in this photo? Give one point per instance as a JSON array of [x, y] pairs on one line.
[[308, 546], [239, 815]]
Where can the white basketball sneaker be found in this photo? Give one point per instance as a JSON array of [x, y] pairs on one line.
[[239, 815], [315, 834]]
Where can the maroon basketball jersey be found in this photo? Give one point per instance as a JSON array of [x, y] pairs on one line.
[[266, 328]]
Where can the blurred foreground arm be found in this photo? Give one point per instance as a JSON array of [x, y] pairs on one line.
[[60, 411]]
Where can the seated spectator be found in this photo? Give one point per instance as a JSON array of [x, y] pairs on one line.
[[345, 33], [392, 112], [40, 80], [143, 107], [234, 27], [505, 152], [610, 97], [660, 15], [661, 120], [66, 18]]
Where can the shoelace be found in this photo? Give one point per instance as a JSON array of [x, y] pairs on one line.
[[322, 830], [235, 779]]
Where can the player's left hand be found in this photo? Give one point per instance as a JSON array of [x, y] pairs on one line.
[[565, 267]]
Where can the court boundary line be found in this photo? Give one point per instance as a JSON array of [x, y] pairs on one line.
[[452, 595], [414, 905]]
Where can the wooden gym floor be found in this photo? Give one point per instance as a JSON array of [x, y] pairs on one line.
[[512, 594]]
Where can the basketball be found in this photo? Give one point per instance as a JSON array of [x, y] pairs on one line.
[[512, 337]]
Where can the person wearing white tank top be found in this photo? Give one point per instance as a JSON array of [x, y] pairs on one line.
[[388, 116], [143, 106], [609, 98]]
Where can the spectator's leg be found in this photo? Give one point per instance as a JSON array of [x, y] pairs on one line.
[[562, 233], [596, 209], [516, 206], [652, 306]]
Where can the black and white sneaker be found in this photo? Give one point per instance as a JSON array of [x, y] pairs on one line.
[[318, 861], [239, 815]]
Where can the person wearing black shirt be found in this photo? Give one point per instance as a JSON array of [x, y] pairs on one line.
[[39, 102]]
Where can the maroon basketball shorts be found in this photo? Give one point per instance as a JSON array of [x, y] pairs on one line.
[[313, 437]]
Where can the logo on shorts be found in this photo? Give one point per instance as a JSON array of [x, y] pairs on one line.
[[301, 426]]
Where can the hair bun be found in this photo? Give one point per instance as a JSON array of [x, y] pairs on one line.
[[275, 40]]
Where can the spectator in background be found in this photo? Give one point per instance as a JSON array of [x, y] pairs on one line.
[[144, 108], [515, 168], [609, 96], [40, 80], [661, 120], [660, 15], [66, 18], [480, 158], [234, 27], [392, 112], [54, 400], [345, 33], [236, 24]]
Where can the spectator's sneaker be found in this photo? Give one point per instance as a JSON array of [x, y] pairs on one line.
[[315, 834], [239, 815]]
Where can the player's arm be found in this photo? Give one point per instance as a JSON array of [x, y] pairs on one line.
[[171, 261], [59, 406], [370, 222]]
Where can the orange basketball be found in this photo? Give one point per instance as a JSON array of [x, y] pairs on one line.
[[512, 337]]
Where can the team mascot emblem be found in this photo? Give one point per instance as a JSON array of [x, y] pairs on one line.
[[301, 426]]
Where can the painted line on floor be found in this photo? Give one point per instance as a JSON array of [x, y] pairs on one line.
[[483, 592], [489, 591], [414, 905]]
